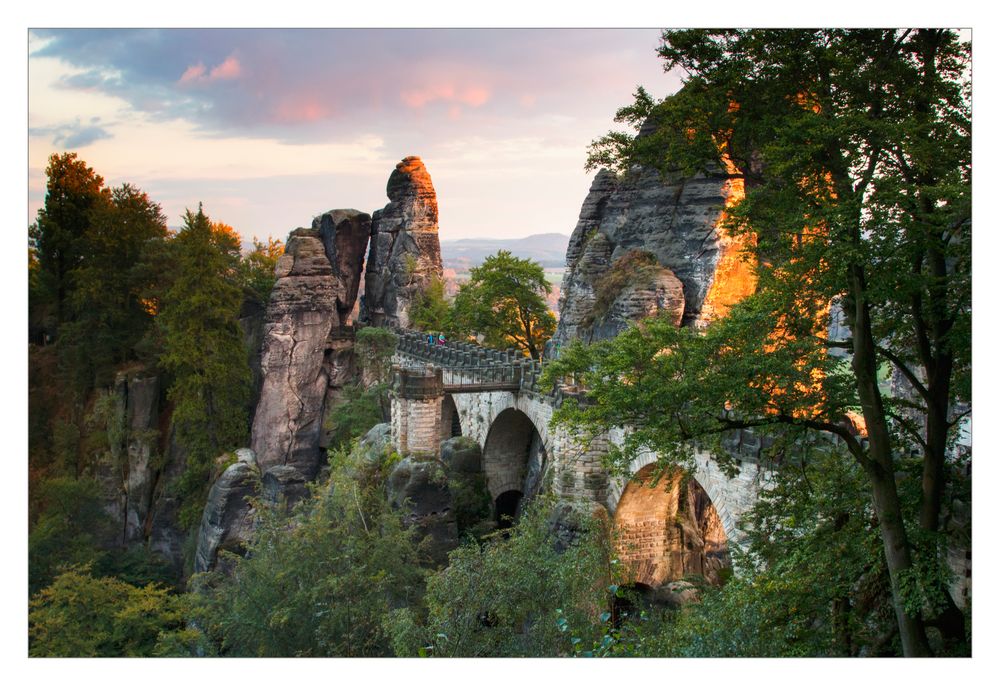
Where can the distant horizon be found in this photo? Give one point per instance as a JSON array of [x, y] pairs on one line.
[[251, 123]]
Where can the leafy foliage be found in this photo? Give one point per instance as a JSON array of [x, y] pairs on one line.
[[360, 409], [504, 301], [82, 616], [506, 596], [69, 524], [58, 236], [855, 150], [116, 286], [323, 581], [432, 312], [257, 268]]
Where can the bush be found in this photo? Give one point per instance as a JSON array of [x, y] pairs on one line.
[[322, 581], [79, 615], [511, 595]]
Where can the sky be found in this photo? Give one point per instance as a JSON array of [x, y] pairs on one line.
[[270, 127]]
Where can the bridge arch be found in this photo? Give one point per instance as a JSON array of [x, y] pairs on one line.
[[668, 528], [514, 458], [451, 421]]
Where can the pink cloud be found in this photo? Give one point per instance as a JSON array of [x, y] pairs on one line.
[[300, 111], [229, 68], [473, 96], [193, 73]]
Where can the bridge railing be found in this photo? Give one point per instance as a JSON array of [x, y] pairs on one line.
[[497, 377], [468, 361]]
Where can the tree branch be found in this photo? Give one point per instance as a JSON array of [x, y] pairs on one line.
[[907, 372]]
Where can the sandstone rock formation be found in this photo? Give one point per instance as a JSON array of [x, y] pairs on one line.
[[142, 465], [306, 355], [673, 220], [405, 253], [227, 522], [420, 489]]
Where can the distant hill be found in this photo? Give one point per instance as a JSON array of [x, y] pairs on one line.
[[548, 249]]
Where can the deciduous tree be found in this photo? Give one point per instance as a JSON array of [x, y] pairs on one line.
[[504, 301], [855, 150]]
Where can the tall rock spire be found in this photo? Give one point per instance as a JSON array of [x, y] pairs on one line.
[[404, 254]]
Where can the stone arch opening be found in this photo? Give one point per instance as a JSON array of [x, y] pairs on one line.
[[451, 422], [507, 506], [668, 529], [513, 459]]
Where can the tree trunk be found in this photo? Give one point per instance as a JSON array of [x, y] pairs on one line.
[[897, 557], [879, 464]]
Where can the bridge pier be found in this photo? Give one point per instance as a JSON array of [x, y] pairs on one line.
[[416, 411]]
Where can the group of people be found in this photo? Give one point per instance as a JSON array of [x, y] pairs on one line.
[[432, 339]]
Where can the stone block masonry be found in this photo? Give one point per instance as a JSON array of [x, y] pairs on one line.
[[416, 412]]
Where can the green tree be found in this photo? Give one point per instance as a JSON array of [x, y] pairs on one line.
[[67, 525], [504, 301], [855, 150], [203, 353], [58, 235], [83, 616], [323, 580], [116, 285], [432, 312], [257, 268]]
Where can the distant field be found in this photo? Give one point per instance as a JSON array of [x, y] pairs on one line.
[[554, 275]]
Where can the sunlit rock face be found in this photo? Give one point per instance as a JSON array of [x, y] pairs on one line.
[[674, 219], [305, 358], [405, 254]]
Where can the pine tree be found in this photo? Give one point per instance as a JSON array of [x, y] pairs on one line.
[[204, 354]]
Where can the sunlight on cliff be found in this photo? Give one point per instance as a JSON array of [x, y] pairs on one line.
[[735, 277]]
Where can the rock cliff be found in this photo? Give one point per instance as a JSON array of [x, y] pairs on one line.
[[143, 463], [305, 358], [646, 244], [405, 253]]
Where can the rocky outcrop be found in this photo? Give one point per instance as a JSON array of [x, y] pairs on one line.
[[251, 321], [138, 472], [284, 485], [307, 354], [673, 220], [227, 522], [345, 238], [405, 253], [419, 488]]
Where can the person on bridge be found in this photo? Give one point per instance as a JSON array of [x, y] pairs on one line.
[[430, 339], [440, 339]]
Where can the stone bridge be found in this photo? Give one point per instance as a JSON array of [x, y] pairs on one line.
[[680, 525]]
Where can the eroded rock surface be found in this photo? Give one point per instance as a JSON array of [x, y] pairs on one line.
[[404, 253], [227, 522], [307, 355], [420, 489], [673, 219]]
